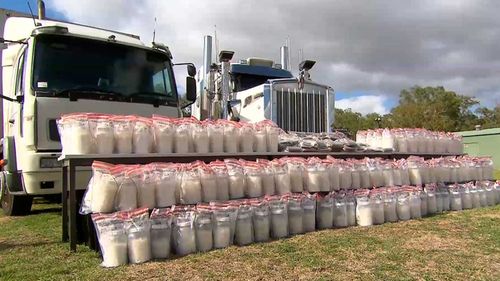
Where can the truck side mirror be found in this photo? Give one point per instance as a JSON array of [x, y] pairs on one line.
[[191, 89], [191, 69]]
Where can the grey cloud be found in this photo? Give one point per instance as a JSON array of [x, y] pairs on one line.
[[372, 46]]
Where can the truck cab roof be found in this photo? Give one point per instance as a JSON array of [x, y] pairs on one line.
[[20, 28]]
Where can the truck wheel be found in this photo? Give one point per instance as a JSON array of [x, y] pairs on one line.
[[14, 205]]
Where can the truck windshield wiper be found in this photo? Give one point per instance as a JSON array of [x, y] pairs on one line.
[[149, 94], [102, 93]]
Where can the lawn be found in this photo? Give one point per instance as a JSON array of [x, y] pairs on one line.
[[451, 246]]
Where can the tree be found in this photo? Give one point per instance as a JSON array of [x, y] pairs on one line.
[[434, 108], [489, 118]]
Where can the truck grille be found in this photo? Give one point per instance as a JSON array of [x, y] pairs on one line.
[[301, 110]]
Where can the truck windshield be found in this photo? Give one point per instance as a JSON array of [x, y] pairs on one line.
[[65, 64]]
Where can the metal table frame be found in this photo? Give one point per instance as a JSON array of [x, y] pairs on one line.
[[70, 162]]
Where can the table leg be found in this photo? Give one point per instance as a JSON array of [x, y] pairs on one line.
[[64, 200], [72, 207]]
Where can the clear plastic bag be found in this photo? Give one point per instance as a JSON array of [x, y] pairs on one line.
[[216, 136], [102, 130], [164, 134], [182, 139], [247, 136], [222, 180], [268, 182], [161, 232], [101, 192], [222, 219], [231, 137], [279, 219], [183, 232], [254, 183], [339, 212], [244, 226], [190, 186], [324, 211], [295, 168], [295, 215], [208, 181], [236, 179], [281, 177], [126, 198], [143, 136], [260, 138], [261, 221], [123, 130], [309, 216], [76, 137], [139, 236], [204, 231], [201, 139], [166, 184], [112, 236]]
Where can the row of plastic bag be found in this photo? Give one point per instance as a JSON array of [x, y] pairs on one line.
[[126, 187], [93, 133], [412, 140], [134, 237]]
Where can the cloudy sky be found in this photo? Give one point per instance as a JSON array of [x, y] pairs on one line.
[[366, 50]]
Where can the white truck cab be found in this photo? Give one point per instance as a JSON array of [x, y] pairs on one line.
[[50, 68]]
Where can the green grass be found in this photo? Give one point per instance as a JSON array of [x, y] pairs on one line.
[[497, 174], [451, 246]]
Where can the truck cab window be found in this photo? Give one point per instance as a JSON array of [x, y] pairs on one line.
[[19, 90], [105, 68]]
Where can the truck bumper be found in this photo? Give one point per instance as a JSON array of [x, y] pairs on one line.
[[44, 183]]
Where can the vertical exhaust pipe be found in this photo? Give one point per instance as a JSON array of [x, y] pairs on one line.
[[205, 102], [285, 58], [41, 10]]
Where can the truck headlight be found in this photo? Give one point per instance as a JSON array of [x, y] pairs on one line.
[[50, 162]]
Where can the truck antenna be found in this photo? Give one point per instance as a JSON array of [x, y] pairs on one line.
[[32, 15], [154, 31]]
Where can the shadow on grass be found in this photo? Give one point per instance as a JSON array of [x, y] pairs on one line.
[[8, 245], [46, 210]]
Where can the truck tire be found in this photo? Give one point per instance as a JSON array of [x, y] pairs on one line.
[[14, 205]]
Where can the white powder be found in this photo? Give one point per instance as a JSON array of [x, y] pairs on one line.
[[396, 174], [476, 201], [127, 195], [403, 208], [190, 189], [390, 212], [222, 233], [146, 195], [182, 139], [222, 187], [490, 196], [216, 135], [439, 202], [296, 180], [388, 177], [139, 247], [334, 177], [295, 218], [231, 139], [104, 189], [142, 138], [201, 140], [123, 139], [260, 141], [446, 200], [405, 176], [356, 180], [114, 248], [253, 186], [272, 139], [351, 212], [345, 178], [376, 177], [164, 137], [160, 241], [415, 206], [81, 138], [431, 203], [324, 214], [415, 176], [268, 185], [261, 225], [424, 210], [246, 139], [482, 197], [455, 201], [244, 229], [466, 199], [279, 224], [236, 186], [313, 180], [340, 214], [364, 178], [184, 239], [377, 207], [402, 145], [282, 182], [104, 138], [364, 214], [165, 190], [204, 238], [208, 187]]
